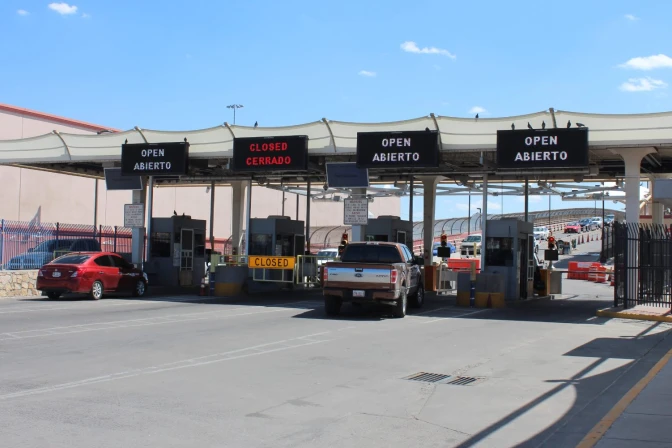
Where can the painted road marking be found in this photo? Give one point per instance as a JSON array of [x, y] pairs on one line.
[[247, 352], [159, 320], [603, 426]]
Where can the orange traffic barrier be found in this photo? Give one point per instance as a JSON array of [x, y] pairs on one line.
[[580, 270], [463, 264]]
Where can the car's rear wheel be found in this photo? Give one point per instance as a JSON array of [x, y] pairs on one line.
[[418, 298], [400, 306], [140, 289], [96, 290], [332, 305], [53, 295]]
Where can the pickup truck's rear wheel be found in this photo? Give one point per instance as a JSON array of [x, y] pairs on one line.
[[418, 299], [400, 307], [332, 305]]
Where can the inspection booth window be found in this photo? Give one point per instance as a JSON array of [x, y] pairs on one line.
[[261, 244], [499, 251], [199, 244], [160, 247]]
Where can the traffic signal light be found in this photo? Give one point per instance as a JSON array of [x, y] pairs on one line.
[[344, 242], [444, 240], [551, 243]]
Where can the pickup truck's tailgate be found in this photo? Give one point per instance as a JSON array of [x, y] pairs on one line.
[[341, 275]]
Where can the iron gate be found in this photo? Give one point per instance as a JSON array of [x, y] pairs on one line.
[[642, 265]]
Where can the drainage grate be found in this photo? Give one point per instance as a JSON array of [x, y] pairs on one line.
[[427, 377], [463, 381]]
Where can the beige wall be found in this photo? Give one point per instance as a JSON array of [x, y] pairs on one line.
[[70, 199]]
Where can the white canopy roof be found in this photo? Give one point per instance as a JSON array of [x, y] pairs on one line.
[[334, 137]]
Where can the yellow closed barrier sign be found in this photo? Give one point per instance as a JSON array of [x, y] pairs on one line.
[[269, 262]]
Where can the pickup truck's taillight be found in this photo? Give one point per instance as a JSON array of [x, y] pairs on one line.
[[393, 276], [325, 274]]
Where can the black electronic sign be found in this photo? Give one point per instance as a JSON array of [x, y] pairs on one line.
[[154, 159], [114, 180], [289, 153], [405, 149], [346, 175], [540, 149]]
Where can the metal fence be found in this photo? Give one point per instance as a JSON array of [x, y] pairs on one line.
[[607, 252], [25, 245], [643, 265]]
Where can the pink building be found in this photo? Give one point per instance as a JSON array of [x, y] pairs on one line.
[[70, 199]]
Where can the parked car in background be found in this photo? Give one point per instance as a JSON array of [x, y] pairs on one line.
[[471, 246], [435, 248], [573, 227], [92, 273], [47, 250], [325, 255], [586, 224], [597, 221], [541, 233], [609, 219]]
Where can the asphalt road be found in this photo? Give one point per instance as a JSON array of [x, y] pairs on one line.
[[185, 372]]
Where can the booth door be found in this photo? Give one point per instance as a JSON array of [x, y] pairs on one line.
[[187, 257]]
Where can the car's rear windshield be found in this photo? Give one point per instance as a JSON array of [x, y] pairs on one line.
[[71, 259], [370, 253]]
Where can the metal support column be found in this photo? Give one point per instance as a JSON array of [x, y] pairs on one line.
[[248, 216], [95, 205], [527, 199], [308, 196], [212, 216], [484, 220], [150, 212], [410, 200]]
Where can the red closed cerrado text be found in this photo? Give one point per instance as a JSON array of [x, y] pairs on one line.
[[268, 160]]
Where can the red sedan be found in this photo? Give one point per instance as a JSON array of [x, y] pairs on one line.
[[92, 273], [573, 227]]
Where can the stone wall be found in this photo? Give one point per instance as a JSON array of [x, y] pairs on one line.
[[18, 283]]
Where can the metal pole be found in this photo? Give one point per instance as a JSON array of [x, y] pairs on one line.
[[527, 202], [150, 208], [248, 217], [469, 216], [283, 202], [307, 216], [212, 216], [484, 221], [95, 204], [297, 206], [410, 201], [549, 210]]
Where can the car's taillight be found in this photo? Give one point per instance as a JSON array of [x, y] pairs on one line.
[[393, 276], [74, 274], [40, 273], [325, 274]]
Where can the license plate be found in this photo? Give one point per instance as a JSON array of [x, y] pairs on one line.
[[358, 294], [56, 274]]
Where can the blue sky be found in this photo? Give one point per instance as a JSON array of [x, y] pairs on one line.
[[176, 65]]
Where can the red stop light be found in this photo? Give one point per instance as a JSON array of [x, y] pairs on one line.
[[444, 240]]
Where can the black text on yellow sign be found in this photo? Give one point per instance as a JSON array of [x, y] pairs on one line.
[[265, 262]]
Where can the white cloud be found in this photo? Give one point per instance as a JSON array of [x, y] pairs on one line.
[[477, 110], [631, 17], [649, 62], [412, 47], [63, 8], [642, 85], [22, 12], [367, 73]]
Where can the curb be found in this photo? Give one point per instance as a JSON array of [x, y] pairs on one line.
[[633, 316], [599, 430]]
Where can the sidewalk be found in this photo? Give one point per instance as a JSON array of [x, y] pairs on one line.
[[646, 420]]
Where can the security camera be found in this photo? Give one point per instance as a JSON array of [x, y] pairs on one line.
[[325, 187]]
